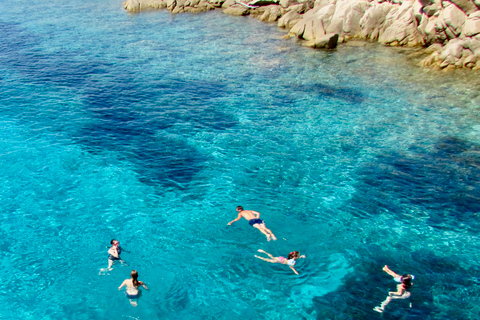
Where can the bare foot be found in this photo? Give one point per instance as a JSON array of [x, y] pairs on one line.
[[260, 250], [269, 237], [133, 303], [273, 237], [378, 309]]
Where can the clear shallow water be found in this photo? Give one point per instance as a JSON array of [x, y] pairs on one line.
[[152, 128]]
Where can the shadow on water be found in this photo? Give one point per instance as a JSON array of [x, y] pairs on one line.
[[110, 99], [323, 90], [127, 120], [442, 183], [368, 286]]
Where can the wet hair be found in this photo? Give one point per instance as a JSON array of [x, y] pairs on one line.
[[294, 255], [134, 275], [240, 208], [113, 240], [407, 280]]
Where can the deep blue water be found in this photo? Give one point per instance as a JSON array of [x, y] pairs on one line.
[[151, 128]]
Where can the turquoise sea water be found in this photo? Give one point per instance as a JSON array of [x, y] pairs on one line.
[[151, 128]]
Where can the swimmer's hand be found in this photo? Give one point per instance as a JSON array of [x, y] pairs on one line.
[[303, 256]]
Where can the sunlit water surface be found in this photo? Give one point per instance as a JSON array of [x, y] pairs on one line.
[[151, 128]]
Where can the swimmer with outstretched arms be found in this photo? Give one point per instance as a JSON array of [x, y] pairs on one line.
[[254, 220], [132, 287], [290, 260], [404, 282]]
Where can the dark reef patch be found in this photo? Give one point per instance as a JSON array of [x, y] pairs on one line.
[[323, 90], [441, 182]]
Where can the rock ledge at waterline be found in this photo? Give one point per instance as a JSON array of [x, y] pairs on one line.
[[446, 32]]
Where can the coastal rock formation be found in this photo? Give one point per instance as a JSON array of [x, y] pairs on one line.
[[446, 32]]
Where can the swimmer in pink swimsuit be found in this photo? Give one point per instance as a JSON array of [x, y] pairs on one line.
[[290, 260]]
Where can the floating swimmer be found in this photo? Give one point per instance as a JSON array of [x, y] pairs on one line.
[[405, 282], [290, 260], [132, 287], [254, 220]]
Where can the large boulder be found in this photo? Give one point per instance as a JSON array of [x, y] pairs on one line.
[[138, 5], [400, 27], [286, 20], [471, 61], [271, 13], [466, 6], [328, 41], [432, 9], [228, 3], [323, 3], [451, 53], [373, 20], [313, 23], [216, 3], [472, 25], [346, 19], [237, 10], [450, 23], [299, 7]]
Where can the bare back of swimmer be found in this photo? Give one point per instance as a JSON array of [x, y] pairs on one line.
[[253, 218]]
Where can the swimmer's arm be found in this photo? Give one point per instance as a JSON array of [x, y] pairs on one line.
[[124, 249], [238, 218], [291, 267], [143, 284], [390, 272], [123, 283], [257, 214], [303, 256]]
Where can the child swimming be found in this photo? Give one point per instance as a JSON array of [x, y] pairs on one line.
[[290, 260], [405, 282]]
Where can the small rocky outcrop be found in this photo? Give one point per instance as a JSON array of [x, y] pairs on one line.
[[328, 41], [447, 33]]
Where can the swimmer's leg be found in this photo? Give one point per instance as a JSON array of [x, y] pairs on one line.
[[382, 306], [110, 264], [123, 263], [268, 254], [133, 303], [270, 232], [274, 260], [262, 230], [103, 271]]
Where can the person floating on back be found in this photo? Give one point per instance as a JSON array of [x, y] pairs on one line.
[[132, 287], [254, 220], [290, 260], [405, 282], [114, 253]]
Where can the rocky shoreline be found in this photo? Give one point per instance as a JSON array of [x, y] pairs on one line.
[[446, 33]]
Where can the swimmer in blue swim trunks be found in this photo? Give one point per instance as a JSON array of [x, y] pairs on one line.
[[254, 220]]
